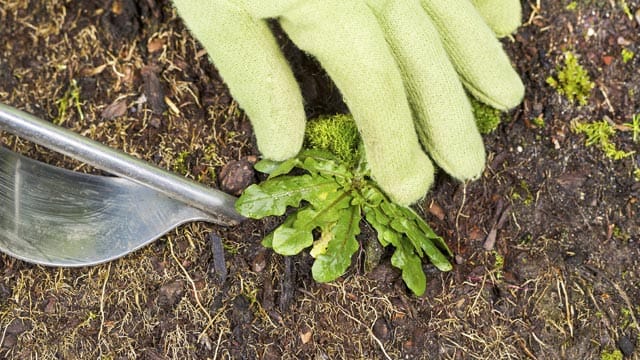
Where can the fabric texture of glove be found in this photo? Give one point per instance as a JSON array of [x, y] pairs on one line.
[[401, 66]]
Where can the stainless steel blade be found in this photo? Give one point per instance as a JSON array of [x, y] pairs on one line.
[[53, 216]]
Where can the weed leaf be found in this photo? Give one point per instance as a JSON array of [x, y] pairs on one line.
[[406, 260], [288, 240], [421, 242], [272, 197], [276, 168], [331, 264]]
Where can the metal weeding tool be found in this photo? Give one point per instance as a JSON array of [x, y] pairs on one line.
[[53, 216]]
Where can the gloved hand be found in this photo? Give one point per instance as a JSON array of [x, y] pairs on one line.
[[400, 65]]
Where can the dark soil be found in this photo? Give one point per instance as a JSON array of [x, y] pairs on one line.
[[562, 280]]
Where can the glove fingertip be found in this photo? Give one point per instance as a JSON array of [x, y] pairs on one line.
[[503, 16], [503, 95], [411, 185], [280, 146]]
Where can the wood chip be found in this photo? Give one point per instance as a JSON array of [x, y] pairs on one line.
[[115, 109], [436, 210], [153, 89], [306, 336], [155, 45], [219, 267]]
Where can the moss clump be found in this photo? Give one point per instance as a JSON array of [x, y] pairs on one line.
[[627, 55], [599, 133], [634, 126], [614, 355], [337, 134], [572, 80], [70, 99], [487, 118]]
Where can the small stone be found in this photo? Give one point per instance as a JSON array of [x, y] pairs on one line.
[[170, 294], [116, 109], [381, 329], [626, 346], [623, 42], [259, 262], [436, 210], [155, 45], [236, 176], [18, 326], [155, 122]]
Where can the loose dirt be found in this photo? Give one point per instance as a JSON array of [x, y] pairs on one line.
[[561, 281]]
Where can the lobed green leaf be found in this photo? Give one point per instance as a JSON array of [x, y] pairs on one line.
[[292, 237], [421, 242], [406, 260], [280, 168], [335, 261], [427, 231], [291, 240], [380, 222], [324, 164], [274, 195]]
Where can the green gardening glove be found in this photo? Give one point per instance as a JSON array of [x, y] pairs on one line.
[[400, 65]]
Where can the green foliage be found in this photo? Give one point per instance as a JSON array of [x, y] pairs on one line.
[[627, 55], [337, 134], [572, 80], [626, 9], [572, 5], [634, 125], [539, 121], [498, 265], [487, 118], [522, 193], [180, 164], [599, 133], [70, 99], [613, 355], [331, 199]]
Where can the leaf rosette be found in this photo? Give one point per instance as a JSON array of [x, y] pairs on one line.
[[330, 199]]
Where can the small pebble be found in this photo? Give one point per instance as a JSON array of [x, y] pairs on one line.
[[236, 176], [626, 346], [381, 329]]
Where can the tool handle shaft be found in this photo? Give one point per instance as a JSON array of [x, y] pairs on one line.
[[217, 203]]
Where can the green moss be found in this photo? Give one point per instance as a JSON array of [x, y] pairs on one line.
[[522, 193], [626, 9], [181, 163], [539, 122], [487, 118], [613, 355], [572, 5], [70, 99], [634, 125], [572, 80], [498, 264], [627, 55], [599, 133], [337, 134]]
